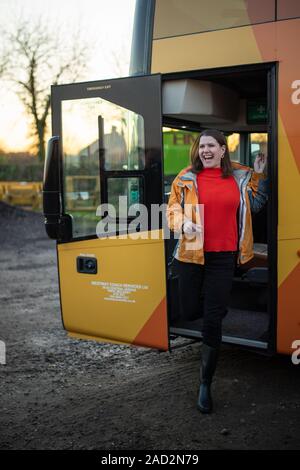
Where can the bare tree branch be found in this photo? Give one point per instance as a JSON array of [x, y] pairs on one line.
[[4, 61], [39, 58]]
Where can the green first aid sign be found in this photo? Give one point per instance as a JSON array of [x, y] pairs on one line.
[[257, 112]]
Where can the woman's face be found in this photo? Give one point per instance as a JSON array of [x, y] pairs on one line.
[[210, 152]]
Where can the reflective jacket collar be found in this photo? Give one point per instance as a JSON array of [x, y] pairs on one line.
[[187, 179], [242, 177], [238, 174]]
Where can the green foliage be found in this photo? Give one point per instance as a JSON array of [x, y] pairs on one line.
[[14, 167]]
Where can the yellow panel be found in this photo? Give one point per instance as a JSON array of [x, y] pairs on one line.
[[143, 237], [118, 301], [288, 318], [288, 258], [177, 17], [289, 189], [205, 50]]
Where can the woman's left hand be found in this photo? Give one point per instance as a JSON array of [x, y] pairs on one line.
[[260, 162]]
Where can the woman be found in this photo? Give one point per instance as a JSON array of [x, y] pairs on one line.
[[225, 193]]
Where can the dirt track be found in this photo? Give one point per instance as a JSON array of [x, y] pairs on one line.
[[58, 393]]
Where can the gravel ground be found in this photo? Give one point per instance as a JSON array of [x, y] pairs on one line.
[[59, 393]]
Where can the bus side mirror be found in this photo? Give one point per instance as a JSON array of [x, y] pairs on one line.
[[58, 226]]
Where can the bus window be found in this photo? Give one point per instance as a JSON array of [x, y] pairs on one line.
[[81, 164], [234, 145], [90, 127], [124, 147], [131, 188], [177, 144]]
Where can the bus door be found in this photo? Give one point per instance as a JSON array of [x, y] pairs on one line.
[[111, 268]]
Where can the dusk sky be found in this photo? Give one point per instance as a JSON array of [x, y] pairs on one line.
[[107, 27]]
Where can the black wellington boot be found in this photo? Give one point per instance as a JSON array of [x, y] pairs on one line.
[[209, 363]]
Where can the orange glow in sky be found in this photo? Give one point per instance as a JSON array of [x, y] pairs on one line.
[[107, 26]]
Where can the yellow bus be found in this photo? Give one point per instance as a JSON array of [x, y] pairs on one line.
[[225, 64]]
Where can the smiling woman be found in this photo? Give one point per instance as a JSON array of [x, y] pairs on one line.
[[210, 150], [214, 183]]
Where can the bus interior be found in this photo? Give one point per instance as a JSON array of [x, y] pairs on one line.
[[237, 103]]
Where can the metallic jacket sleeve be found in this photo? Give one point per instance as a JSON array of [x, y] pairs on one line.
[[257, 191], [175, 209]]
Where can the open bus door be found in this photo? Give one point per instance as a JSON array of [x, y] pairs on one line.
[[112, 286]]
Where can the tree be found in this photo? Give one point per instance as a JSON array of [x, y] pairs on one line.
[[40, 58], [119, 59], [4, 59]]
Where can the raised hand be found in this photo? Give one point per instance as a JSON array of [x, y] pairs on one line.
[[260, 162]]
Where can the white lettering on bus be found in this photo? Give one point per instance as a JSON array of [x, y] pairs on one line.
[[296, 94], [102, 87]]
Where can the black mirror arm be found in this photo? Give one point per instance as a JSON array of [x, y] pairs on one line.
[[58, 226]]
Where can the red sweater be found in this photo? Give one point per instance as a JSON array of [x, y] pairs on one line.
[[221, 198]]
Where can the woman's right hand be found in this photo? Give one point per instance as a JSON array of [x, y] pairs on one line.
[[189, 227]]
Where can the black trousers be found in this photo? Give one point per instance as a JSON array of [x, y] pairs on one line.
[[204, 290]]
